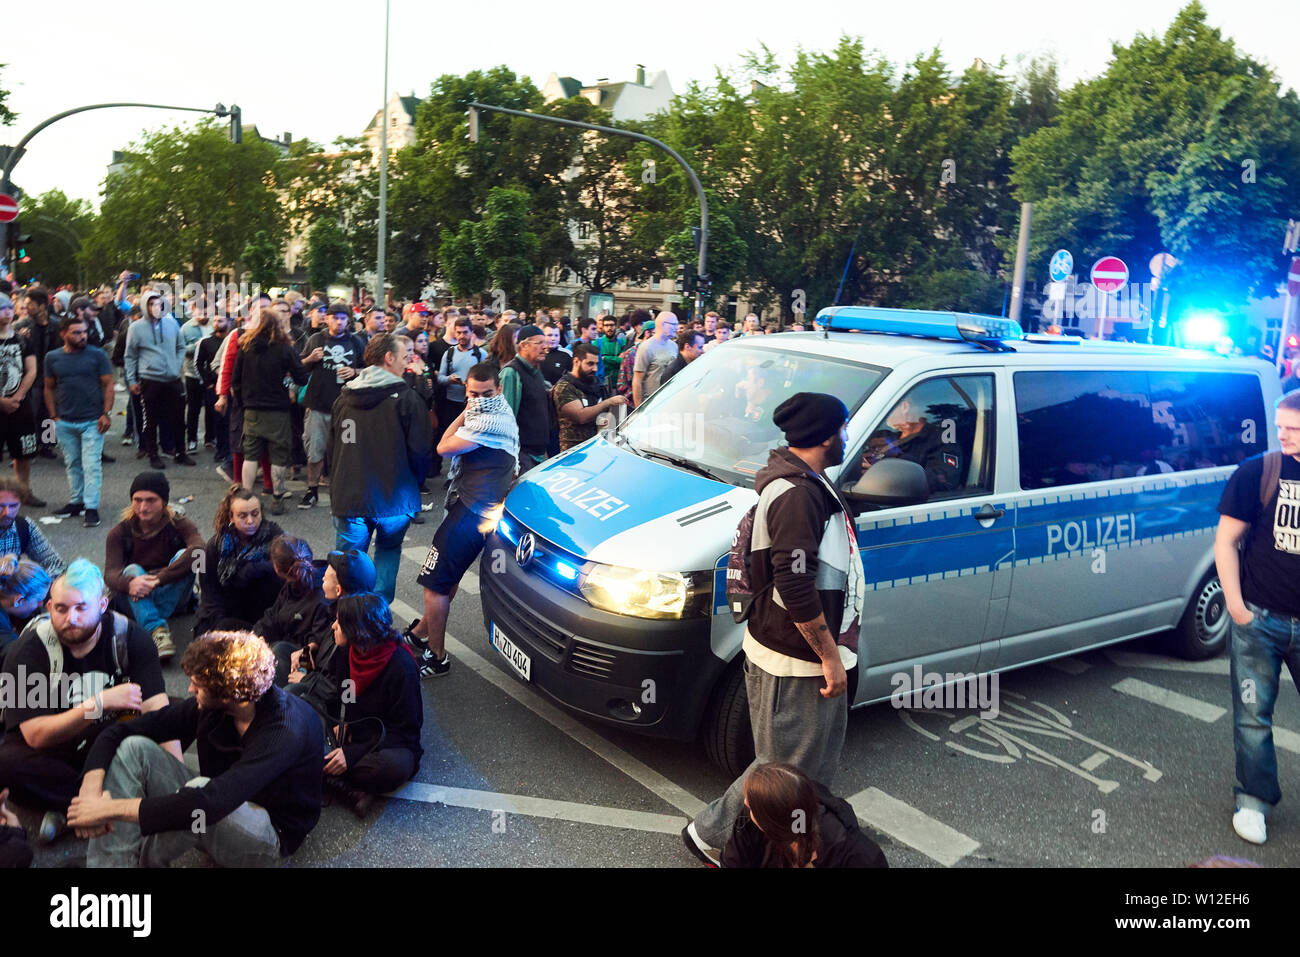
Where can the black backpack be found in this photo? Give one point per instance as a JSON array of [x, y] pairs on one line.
[[740, 587]]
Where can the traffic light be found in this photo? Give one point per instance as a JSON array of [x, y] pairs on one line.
[[681, 278], [21, 241], [705, 286], [472, 112]]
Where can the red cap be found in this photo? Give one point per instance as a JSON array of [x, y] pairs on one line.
[[420, 307]]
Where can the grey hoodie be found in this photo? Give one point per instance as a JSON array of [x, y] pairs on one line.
[[155, 351]]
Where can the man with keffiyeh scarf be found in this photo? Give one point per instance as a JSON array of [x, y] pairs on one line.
[[484, 442]]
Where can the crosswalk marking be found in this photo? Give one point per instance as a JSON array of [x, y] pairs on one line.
[[914, 828], [1213, 666], [1174, 701], [542, 807]]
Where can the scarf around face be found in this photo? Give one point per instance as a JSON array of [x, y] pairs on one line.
[[233, 551], [489, 422], [365, 666]]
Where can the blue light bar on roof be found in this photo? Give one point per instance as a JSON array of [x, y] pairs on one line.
[[919, 322]]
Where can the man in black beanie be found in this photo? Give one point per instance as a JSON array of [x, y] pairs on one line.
[[802, 633]]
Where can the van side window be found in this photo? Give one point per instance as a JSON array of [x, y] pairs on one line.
[[947, 426], [1095, 425]]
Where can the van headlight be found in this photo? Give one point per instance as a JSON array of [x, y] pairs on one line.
[[646, 594]]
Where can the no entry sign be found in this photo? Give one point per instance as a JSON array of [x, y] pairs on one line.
[[1109, 274], [8, 208]]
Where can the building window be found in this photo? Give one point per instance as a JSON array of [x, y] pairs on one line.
[[584, 230]]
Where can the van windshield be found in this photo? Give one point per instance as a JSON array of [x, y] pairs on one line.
[[716, 414]]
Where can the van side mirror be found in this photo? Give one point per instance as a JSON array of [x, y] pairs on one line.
[[890, 482]]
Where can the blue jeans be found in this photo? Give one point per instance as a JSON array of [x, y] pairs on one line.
[[243, 838], [388, 532], [156, 607], [1258, 650], [83, 450]]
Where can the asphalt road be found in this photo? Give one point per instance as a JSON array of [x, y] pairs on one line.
[[1114, 758]]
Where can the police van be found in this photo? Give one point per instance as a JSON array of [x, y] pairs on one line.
[[1017, 498]]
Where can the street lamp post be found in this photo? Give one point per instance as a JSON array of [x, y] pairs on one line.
[[614, 131], [382, 243], [16, 153]]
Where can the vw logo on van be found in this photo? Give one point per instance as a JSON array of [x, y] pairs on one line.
[[524, 550]]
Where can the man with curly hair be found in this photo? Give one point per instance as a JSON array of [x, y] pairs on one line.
[[258, 792]]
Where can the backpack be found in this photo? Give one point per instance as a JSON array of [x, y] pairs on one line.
[[1270, 477], [25, 535], [740, 588], [444, 367]]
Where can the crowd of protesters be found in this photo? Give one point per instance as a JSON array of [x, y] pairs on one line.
[[302, 691]]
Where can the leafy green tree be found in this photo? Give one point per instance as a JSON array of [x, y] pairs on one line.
[[261, 257], [1184, 144], [58, 227], [328, 252], [341, 185], [7, 116], [188, 200], [465, 272]]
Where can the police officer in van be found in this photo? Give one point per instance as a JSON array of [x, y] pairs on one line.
[[911, 436]]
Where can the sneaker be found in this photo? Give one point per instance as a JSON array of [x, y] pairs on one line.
[[33, 501], [1249, 825], [209, 444], [92, 518], [429, 668], [71, 510], [193, 446], [417, 644], [277, 505], [221, 470], [183, 459], [127, 440], [708, 856], [156, 462], [310, 499], [162, 638], [340, 792], [106, 458], [417, 518], [54, 824]]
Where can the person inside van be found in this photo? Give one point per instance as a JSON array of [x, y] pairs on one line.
[[921, 441], [792, 821]]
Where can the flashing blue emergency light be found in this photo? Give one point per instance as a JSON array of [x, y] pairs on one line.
[[566, 571], [507, 532], [961, 326], [1203, 329]]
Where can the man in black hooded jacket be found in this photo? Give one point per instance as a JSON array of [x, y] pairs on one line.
[[381, 447]]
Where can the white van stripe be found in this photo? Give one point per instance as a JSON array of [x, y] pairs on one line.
[[1183, 704], [909, 826]]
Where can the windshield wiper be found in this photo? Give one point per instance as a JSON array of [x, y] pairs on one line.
[[683, 463]]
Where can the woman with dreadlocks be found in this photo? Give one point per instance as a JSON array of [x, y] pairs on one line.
[[237, 580]]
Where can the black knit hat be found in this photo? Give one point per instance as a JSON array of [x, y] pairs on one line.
[[354, 569], [154, 482], [810, 418], [527, 332]]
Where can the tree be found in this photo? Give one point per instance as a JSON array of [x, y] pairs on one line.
[[328, 252], [340, 185], [261, 256], [1184, 145], [58, 227], [189, 200], [499, 248], [7, 116]]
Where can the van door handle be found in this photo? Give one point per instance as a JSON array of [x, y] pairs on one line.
[[987, 513]]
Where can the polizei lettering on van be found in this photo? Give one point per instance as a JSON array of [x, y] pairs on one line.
[[583, 495], [1091, 533]]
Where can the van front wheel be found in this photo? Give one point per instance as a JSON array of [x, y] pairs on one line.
[[728, 740], [1202, 632]]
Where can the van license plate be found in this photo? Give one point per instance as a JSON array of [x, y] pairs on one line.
[[522, 664]]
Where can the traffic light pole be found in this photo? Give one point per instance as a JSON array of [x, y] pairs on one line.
[[16, 153], [614, 131]]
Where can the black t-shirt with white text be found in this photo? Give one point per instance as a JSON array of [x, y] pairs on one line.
[[85, 677], [1270, 566]]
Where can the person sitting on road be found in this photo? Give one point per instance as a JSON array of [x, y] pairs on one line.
[[24, 586], [377, 738], [149, 559], [19, 535], [300, 617], [792, 821], [236, 581]]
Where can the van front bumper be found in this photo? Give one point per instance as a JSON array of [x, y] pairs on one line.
[[648, 676]]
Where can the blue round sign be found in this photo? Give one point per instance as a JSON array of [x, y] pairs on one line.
[[1061, 266]]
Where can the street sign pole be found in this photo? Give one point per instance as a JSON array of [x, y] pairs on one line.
[[1022, 254]]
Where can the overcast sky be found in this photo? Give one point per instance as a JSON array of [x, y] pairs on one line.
[[316, 69]]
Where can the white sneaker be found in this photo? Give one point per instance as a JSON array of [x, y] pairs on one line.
[[709, 856], [1249, 825]]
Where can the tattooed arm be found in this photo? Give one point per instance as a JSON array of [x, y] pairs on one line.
[[818, 635]]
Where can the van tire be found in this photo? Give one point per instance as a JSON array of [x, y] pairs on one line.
[[1202, 632], [728, 740]]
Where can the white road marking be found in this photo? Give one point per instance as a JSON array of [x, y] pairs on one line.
[[1212, 666], [543, 807], [1097, 759], [417, 554], [1183, 704], [646, 776], [909, 826], [1071, 666]]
